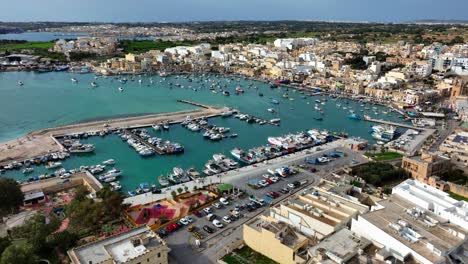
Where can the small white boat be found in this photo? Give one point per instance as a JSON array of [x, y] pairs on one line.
[[109, 162], [94, 84], [28, 170], [20, 83], [156, 127], [74, 80], [53, 165], [121, 89]]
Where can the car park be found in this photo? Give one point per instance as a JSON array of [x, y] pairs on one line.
[[208, 229], [217, 223]]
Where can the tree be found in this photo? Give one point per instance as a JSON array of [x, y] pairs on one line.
[[174, 194], [4, 243], [180, 190], [81, 193], [11, 196], [18, 253], [63, 240]]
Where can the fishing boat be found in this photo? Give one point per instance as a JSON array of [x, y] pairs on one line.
[[112, 173], [156, 127], [218, 157], [163, 180]]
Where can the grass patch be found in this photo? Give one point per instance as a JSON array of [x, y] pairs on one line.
[[383, 156], [458, 197], [247, 255], [26, 45]]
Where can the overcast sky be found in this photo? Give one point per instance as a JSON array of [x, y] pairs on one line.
[[209, 10]]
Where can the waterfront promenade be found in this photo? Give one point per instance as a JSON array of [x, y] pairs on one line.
[[240, 176], [43, 141]]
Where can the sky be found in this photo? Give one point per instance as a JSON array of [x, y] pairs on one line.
[[222, 10]]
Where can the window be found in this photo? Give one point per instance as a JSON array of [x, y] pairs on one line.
[[159, 254]]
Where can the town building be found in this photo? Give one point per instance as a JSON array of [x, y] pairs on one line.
[[424, 166], [317, 213], [275, 240], [405, 232], [340, 247], [136, 246]]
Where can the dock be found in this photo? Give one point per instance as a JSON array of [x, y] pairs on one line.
[[194, 104], [393, 123], [144, 142]]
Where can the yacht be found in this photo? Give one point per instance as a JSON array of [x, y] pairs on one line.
[[109, 162], [193, 174], [213, 167], [53, 165], [218, 157], [178, 171], [113, 173], [173, 178], [163, 180], [115, 186], [28, 170]]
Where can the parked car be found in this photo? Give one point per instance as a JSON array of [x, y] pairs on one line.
[[227, 219], [198, 214], [207, 210], [217, 223], [162, 233], [184, 221], [224, 201], [208, 229], [263, 183], [189, 219], [211, 217], [217, 205]]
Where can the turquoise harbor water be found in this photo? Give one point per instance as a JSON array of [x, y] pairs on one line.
[[51, 99]]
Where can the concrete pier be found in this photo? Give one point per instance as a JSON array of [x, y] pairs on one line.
[[42, 142]]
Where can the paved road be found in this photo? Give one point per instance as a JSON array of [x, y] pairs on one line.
[[182, 244], [449, 128]]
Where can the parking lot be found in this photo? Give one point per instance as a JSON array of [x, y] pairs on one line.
[[183, 243]]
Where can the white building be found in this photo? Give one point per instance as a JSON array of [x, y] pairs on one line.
[[404, 231], [434, 200], [293, 43]]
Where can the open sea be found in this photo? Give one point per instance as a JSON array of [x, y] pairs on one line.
[[51, 99]]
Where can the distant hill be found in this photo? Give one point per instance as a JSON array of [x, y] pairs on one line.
[[435, 21]]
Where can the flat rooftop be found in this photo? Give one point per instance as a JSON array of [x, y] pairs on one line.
[[438, 234], [288, 236], [342, 244], [119, 247]]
